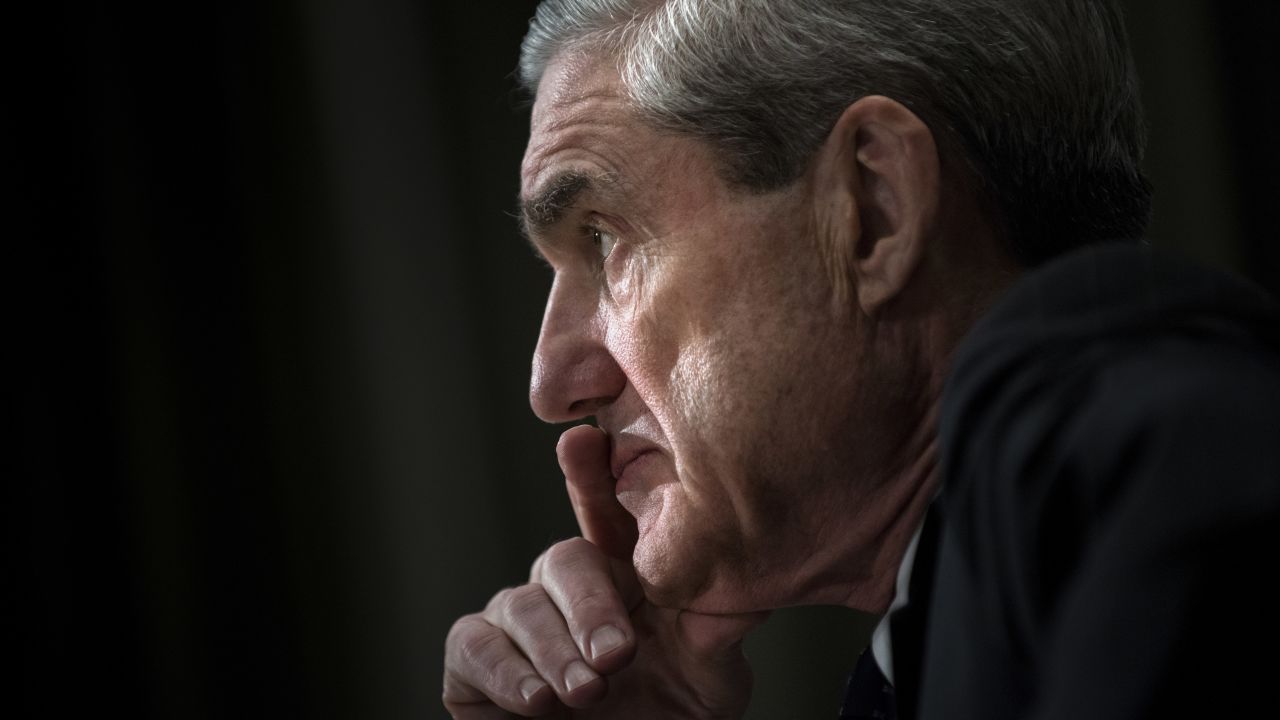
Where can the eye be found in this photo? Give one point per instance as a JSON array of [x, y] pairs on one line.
[[604, 241]]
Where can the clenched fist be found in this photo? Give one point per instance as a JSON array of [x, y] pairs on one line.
[[581, 641]]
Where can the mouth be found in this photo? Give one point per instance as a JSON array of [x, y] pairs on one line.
[[627, 464]]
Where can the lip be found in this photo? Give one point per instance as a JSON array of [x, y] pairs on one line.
[[625, 480], [627, 450]]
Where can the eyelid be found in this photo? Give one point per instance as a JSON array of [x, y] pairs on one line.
[[594, 225], [596, 222]]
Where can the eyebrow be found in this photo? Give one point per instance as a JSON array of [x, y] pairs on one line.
[[549, 205]]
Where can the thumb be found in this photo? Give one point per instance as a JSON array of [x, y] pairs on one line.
[[583, 452]]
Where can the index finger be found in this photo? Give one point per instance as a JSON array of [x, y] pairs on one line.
[[583, 452]]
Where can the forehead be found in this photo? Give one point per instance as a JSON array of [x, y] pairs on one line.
[[580, 119], [591, 151]]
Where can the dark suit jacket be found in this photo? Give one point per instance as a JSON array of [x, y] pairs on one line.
[[1110, 443]]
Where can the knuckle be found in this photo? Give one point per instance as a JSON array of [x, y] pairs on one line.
[[462, 628], [589, 599], [504, 675], [545, 557], [481, 649], [576, 580], [484, 669], [523, 602], [568, 554], [488, 669]]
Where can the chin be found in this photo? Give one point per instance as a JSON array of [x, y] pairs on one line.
[[672, 573], [689, 560], [663, 574], [677, 596], [689, 576]]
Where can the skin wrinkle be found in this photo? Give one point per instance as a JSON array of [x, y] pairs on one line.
[[773, 324], [913, 456], [549, 205], [583, 113], [695, 384], [992, 78], [715, 332], [606, 172], [652, 322]]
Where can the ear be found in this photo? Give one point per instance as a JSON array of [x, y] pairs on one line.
[[877, 181]]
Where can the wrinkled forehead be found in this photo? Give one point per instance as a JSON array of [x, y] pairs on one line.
[[579, 88]]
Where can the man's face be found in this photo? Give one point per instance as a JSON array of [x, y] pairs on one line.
[[696, 323]]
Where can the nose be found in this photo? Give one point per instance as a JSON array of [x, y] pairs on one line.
[[574, 374]]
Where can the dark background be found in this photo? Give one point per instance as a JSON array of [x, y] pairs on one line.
[[272, 324]]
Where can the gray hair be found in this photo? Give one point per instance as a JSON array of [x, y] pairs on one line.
[[1037, 98]]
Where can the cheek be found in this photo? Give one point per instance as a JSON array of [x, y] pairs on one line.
[[697, 383], [653, 330], [698, 397], [690, 353], [690, 360]]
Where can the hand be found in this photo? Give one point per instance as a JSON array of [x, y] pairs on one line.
[[581, 641]]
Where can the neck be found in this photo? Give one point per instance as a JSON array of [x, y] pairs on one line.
[[898, 510], [853, 557], [889, 503]]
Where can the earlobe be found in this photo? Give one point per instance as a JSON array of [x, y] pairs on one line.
[[878, 180]]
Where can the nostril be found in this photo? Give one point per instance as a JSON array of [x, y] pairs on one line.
[[588, 406]]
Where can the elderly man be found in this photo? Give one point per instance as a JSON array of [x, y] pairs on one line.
[[771, 224]]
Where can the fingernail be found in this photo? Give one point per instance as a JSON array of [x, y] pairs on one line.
[[605, 640], [529, 687], [577, 675]]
